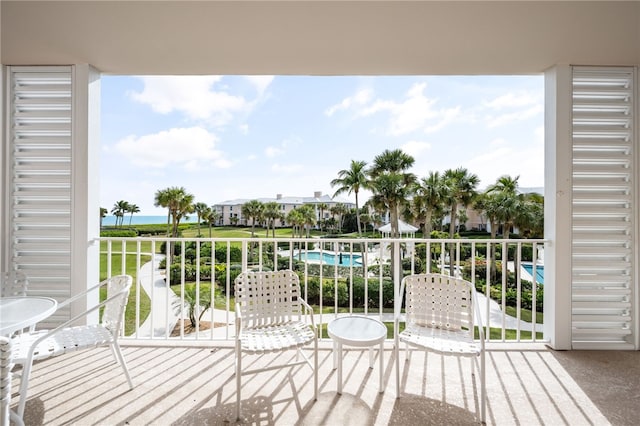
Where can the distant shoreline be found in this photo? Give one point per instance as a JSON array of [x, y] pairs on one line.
[[145, 220]]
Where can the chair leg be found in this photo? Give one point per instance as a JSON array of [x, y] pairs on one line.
[[15, 418], [396, 353], [238, 381], [115, 349], [315, 368], [483, 390], [24, 385]]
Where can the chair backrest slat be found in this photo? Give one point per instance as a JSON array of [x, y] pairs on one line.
[[268, 297], [441, 301], [113, 313]]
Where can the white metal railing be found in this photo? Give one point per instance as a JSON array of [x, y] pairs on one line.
[[356, 276]]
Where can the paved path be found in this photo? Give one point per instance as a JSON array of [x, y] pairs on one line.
[[161, 319]]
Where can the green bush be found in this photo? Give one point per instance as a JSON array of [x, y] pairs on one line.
[[328, 292], [126, 233]]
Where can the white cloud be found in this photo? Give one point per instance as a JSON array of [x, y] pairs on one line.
[[505, 158], [192, 95], [285, 145], [415, 112], [416, 148], [260, 82], [187, 148], [513, 107], [515, 99], [272, 151], [361, 98], [503, 119]]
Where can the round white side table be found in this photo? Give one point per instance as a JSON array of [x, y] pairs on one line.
[[360, 332]]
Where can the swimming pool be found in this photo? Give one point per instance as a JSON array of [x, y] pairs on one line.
[[539, 271], [342, 259]]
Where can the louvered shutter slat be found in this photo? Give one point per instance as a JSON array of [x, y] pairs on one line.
[[40, 172], [602, 214]]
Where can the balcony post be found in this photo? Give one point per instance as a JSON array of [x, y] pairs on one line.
[[557, 207]]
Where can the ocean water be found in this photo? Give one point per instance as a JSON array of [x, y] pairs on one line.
[[110, 220]]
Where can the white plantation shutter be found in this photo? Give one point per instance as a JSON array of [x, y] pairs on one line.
[[603, 199], [40, 178]]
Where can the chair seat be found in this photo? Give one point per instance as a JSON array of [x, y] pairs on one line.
[[66, 340], [276, 337], [440, 340]]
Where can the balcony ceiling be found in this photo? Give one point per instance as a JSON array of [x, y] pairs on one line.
[[320, 37]]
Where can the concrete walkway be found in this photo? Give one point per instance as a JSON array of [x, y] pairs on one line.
[[161, 319]]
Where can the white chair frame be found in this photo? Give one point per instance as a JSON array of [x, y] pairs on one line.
[[441, 314], [269, 318], [6, 365], [42, 344]]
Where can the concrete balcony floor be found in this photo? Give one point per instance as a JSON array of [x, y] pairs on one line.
[[196, 386]]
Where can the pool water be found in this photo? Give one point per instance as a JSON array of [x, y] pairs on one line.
[[343, 259], [539, 272]]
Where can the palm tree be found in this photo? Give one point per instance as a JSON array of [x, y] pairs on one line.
[[308, 213], [194, 306], [118, 210], [428, 200], [530, 217], [322, 207], [201, 210], [161, 199], [296, 219], [103, 214], [460, 191], [489, 204], [270, 213], [352, 180], [252, 210], [335, 211], [211, 216], [133, 208], [391, 183], [506, 188], [179, 203], [341, 210]]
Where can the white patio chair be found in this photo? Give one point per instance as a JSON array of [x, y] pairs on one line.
[[6, 364], [42, 344], [270, 318], [440, 318]]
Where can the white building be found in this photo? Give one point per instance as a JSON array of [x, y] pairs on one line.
[[230, 211]]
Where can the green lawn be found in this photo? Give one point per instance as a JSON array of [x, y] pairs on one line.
[[525, 314]]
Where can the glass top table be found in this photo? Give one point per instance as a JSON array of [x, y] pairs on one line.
[[19, 312], [358, 331]]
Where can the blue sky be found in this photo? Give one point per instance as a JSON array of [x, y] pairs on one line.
[[227, 137]]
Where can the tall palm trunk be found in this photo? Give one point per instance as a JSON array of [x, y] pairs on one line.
[[452, 248], [358, 215]]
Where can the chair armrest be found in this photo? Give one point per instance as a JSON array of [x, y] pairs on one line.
[[478, 317], [69, 322], [80, 295], [309, 311], [238, 320]]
